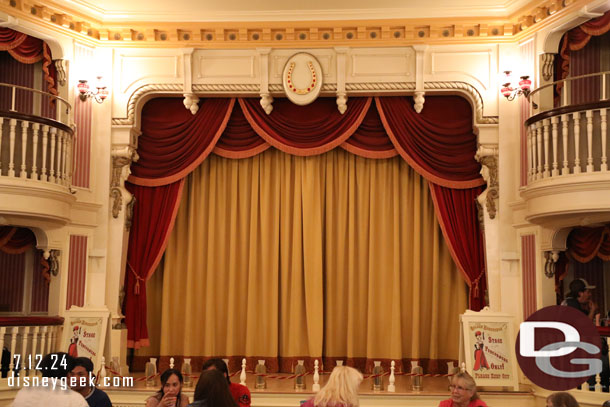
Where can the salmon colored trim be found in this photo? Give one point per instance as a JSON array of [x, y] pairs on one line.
[[138, 344], [157, 182], [304, 151], [450, 246], [15, 43], [426, 174], [241, 154], [24, 60], [155, 263], [368, 153]]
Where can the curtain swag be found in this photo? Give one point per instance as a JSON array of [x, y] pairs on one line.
[[29, 50], [439, 144]]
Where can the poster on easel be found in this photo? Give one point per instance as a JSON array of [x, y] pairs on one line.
[[487, 346], [84, 334]]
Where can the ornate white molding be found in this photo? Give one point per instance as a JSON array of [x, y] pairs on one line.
[[550, 259], [121, 160], [548, 60], [419, 100], [60, 66], [191, 102], [406, 87], [488, 157], [139, 93], [470, 90]]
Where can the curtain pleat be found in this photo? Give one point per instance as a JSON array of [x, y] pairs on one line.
[[282, 257]]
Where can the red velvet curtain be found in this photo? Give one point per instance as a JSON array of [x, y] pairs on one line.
[[14, 240], [584, 244], [439, 143], [576, 39], [29, 50]]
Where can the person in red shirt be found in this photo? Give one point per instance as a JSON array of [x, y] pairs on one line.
[[240, 393], [463, 392]]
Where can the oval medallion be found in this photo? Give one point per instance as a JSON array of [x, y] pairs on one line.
[[302, 78]]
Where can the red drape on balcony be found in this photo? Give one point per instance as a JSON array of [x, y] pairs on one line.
[[14, 240], [29, 50], [439, 143], [584, 244], [576, 39]]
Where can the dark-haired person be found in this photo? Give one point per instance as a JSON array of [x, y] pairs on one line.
[[54, 367], [79, 381], [212, 391], [579, 297], [170, 394], [240, 393], [561, 399]]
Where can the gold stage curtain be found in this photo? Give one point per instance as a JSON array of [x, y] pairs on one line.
[[284, 256]]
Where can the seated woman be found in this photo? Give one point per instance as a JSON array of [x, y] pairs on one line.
[[463, 392], [340, 391], [561, 399], [213, 391], [170, 394]]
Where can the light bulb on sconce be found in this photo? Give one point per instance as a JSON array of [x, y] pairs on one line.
[[99, 95], [510, 93]]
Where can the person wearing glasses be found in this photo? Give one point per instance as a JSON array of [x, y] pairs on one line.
[[463, 392]]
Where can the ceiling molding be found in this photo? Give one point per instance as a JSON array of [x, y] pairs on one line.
[[292, 34]]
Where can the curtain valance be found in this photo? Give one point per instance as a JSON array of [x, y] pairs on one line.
[[574, 40], [439, 144], [14, 240], [584, 244], [29, 50]]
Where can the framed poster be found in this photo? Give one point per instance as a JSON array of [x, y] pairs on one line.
[[85, 333], [488, 348]]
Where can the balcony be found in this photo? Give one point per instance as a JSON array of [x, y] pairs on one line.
[[36, 144], [567, 155]]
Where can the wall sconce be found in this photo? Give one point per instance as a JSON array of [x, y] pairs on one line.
[[525, 85], [99, 95]]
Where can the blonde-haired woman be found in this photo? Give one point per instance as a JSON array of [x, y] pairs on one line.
[[340, 391], [463, 392]]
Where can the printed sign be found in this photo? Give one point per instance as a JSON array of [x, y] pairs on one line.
[[84, 334], [488, 348]]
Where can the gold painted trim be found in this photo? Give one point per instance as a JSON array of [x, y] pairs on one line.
[[356, 33]]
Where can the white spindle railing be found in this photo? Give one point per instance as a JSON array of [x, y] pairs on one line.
[[578, 138], [577, 135], [26, 343], [33, 147]]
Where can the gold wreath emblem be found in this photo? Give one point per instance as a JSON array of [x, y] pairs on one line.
[[302, 91]]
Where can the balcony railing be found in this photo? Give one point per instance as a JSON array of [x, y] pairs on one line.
[[569, 139], [35, 144], [28, 338]]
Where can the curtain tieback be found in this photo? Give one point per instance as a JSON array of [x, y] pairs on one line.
[[136, 288], [476, 285]]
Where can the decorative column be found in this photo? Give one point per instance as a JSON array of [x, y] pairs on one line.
[[121, 209], [488, 211], [418, 96]]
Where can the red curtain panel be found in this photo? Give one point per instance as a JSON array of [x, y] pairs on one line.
[[29, 50], [439, 143], [576, 39], [14, 240]]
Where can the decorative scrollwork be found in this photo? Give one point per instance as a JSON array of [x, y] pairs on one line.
[[121, 160], [550, 260]]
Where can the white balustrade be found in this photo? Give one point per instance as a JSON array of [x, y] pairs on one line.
[[27, 345], [26, 150], [579, 139]]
